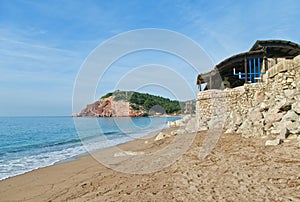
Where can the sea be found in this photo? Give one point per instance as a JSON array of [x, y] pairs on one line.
[[29, 143]]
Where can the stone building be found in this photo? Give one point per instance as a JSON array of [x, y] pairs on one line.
[[264, 99], [248, 67]]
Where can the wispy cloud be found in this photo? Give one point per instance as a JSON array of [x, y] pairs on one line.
[[43, 44], [231, 27]]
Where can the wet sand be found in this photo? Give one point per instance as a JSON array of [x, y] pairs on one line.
[[237, 169]]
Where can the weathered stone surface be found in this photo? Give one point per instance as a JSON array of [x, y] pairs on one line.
[[216, 122], [268, 126], [277, 126], [293, 127], [231, 130], [246, 127], [263, 107], [273, 117], [236, 118], [290, 92], [290, 116], [258, 97], [280, 104], [273, 142], [292, 137], [296, 107], [283, 104], [191, 125], [289, 80], [283, 134], [254, 115]]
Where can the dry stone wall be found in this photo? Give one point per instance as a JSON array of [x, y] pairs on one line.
[[271, 107]]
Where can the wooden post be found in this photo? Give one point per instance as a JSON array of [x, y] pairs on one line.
[[266, 63], [246, 69]]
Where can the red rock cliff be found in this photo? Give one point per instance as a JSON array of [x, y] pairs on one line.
[[107, 107]]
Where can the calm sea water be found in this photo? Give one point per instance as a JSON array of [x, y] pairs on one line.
[[28, 143]]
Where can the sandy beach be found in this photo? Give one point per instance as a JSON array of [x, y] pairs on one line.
[[238, 169]]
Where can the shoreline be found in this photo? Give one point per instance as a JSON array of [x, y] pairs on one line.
[[246, 166], [69, 157], [86, 153]]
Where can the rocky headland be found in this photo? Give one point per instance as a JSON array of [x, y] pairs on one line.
[[108, 107], [131, 104]]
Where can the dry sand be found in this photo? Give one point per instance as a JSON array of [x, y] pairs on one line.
[[237, 169]]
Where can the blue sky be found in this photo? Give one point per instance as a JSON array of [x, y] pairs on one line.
[[44, 43]]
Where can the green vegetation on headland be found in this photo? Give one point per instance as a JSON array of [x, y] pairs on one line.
[[145, 101], [135, 104]]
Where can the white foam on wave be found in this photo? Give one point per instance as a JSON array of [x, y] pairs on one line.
[[10, 167], [17, 166]]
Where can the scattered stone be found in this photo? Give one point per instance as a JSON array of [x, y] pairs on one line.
[[171, 124], [273, 142], [292, 137], [230, 130], [191, 125], [127, 153], [179, 123], [202, 128], [161, 136], [181, 132], [186, 118], [174, 132]]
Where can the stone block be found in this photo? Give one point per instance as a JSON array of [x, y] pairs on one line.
[[290, 116], [283, 134], [296, 107], [273, 142]]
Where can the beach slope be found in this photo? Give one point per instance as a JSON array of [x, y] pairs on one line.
[[238, 169]]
